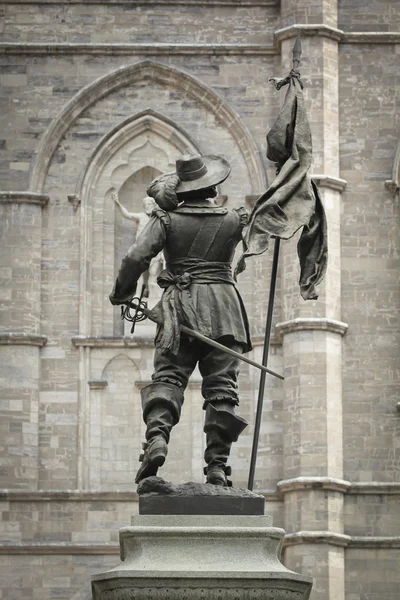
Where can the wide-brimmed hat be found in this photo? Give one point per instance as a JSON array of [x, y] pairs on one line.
[[199, 172]]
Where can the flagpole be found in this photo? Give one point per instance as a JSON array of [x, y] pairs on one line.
[[296, 54], [264, 362]]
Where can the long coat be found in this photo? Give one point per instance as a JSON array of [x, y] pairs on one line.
[[198, 241]]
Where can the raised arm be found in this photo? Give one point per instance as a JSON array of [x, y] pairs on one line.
[[150, 242], [125, 213]]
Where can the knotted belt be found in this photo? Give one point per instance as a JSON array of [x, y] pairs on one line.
[[176, 305]]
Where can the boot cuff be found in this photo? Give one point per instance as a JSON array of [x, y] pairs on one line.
[[230, 425], [162, 393]]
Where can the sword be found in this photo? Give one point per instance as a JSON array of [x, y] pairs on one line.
[[142, 308]]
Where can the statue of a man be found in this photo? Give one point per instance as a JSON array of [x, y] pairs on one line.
[[198, 239], [141, 219]]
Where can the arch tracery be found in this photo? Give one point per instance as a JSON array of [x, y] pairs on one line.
[[167, 76]]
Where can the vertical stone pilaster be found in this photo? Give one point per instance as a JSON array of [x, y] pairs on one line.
[[20, 339], [312, 331]]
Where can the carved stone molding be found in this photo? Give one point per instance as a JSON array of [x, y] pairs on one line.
[[23, 198], [262, 3], [139, 72], [332, 183], [340, 539], [58, 548], [371, 37], [375, 542], [312, 324], [258, 340], [67, 496], [291, 539], [313, 483], [97, 384], [307, 31], [316, 537], [375, 487], [112, 342], [22, 339], [321, 30], [157, 49], [338, 485]]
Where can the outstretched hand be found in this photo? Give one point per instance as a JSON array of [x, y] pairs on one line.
[[114, 195]]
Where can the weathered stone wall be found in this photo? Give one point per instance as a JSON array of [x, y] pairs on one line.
[[122, 22], [75, 120], [369, 135], [369, 15]]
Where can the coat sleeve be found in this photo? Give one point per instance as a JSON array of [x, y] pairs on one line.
[[150, 242]]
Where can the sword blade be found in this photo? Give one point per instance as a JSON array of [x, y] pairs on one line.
[[192, 333]]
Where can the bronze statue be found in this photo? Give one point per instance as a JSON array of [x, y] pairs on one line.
[[198, 239], [200, 305]]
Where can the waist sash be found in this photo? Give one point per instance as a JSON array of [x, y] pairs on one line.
[[176, 303]]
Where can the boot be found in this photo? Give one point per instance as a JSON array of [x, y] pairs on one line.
[[161, 404], [222, 427]]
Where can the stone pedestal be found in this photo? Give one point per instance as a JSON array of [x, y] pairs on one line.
[[226, 557]]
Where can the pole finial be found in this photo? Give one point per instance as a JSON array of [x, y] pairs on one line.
[[297, 50]]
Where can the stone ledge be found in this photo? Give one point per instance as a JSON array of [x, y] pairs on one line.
[[374, 542], [313, 483], [23, 198], [316, 537], [308, 30], [22, 339], [112, 341], [147, 342], [162, 49], [261, 3], [67, 495], [332, 183], [312, 324], [375, 487], [58, 548], [258, 340], [371, 37], [340, 539], [97, 384], [157, 49], [343, 37], [291, 539]]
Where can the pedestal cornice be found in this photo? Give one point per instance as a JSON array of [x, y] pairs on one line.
[[22, 339], [23, 198]]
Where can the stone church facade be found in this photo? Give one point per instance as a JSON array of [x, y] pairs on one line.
[[102, 94]]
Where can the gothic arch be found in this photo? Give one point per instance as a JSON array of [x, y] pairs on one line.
[[115, 426], [133, 127], [160, 73], [119, 357], [147, 139]]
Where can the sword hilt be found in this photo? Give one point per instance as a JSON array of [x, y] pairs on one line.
[[140, 308]]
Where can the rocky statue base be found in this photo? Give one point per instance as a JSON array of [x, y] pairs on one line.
[[159, 497], [199, 557]]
